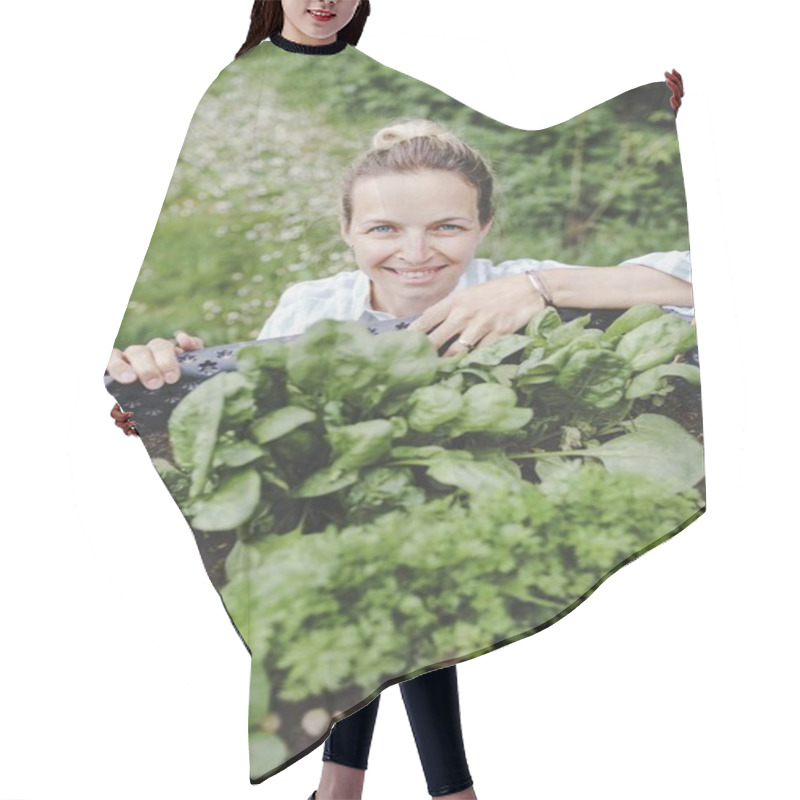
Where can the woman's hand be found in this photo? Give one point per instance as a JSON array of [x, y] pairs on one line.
[[480, 314], [154, 363]]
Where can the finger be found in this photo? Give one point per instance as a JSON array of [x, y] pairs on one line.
[[122, 419], [423, 323], [452, 324], [120, 416], [493, 336], [119, 369], [166, 359], [142, 360], [449, 329], [479, 334], [675, 87], [431, 317], [473, 335], [187, 341]]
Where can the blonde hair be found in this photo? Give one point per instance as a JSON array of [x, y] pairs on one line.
[[414, 145]]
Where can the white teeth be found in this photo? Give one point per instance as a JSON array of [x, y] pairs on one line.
[[417, 274]]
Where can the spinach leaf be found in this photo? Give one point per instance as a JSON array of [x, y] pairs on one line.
[[541, 325], [233, 452], [471, 476], [566, 333], [403, 361], [595, 378], [326, 481], [632, 318], [230, 505], [495, 353], [425, 452], [382, 489], [264, 367], [280, 422], [193, 427], [432, 406], [656, 447], [652, 380], [656, 342], [491, 408], [332, 359], [361, 444]]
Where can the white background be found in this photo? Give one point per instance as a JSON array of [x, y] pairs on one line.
[[121, 674]]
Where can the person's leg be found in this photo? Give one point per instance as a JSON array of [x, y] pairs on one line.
[[433, 710], [346, 753]]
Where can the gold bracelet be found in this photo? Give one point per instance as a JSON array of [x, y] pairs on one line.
[[540, 286]]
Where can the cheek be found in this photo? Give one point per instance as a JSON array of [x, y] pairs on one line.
[[369, 254], [459, 248]]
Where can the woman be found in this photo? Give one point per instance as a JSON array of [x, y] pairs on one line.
[[414, 209]]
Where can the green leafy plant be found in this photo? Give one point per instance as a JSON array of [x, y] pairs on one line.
[[341, 426], [440, 579], [395, 509]]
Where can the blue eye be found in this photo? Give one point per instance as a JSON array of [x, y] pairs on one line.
[[379, 226]]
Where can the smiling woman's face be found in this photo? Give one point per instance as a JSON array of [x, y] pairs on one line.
[[315, 22], [413, 235]]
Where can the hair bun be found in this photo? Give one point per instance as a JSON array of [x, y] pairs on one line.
[[408, 129]]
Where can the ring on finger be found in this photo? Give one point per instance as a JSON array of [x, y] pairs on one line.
[[466, 344]]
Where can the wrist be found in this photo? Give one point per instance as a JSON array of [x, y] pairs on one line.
[[540, 285]]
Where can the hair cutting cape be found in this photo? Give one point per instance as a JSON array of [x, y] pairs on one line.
[[367, 508]]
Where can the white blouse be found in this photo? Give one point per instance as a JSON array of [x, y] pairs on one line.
[[346, 295]]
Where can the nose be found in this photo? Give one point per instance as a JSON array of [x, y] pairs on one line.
[[415, 249]]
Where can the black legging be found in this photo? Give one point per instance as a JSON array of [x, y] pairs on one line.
[[432, 706]]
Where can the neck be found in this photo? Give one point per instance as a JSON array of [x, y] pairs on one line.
[[402, 307], [300, 43]]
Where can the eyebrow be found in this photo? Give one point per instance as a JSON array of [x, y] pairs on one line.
[[390, 222]]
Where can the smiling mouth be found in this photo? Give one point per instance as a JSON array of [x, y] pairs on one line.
[[321, 15], [416, 274]]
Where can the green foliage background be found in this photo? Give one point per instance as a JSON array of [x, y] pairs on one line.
[[253, 204]]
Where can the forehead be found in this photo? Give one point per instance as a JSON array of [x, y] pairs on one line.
[[414, 194]]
